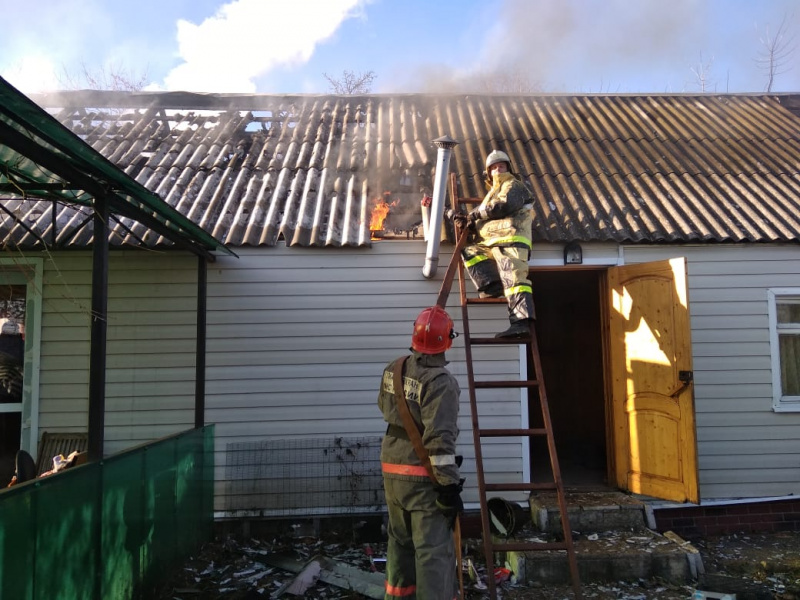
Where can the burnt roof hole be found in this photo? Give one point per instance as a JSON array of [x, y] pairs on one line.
[[141, 160]]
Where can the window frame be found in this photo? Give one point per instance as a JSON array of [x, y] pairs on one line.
[[780, 402]]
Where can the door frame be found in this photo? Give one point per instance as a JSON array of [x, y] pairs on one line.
[[601, 268], [18, 270], [611, 435]]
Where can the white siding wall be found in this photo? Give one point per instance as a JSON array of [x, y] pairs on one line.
[[594, 255], [151, 345], [745, 448], [298, 339]]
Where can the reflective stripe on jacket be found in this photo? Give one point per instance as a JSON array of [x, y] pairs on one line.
[[432, 396], [504, 216]]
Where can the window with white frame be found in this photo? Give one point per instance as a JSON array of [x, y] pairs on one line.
[[784, 323]]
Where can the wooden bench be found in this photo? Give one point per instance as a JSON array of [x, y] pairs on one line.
[[53, 444]]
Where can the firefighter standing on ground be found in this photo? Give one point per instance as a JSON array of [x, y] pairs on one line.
[[498, 262], [421, 554]]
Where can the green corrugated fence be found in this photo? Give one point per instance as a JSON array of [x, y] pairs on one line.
[[111, 529]]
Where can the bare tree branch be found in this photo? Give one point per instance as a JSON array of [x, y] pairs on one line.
[[702, 72], [776, 53], [351, 82], [115, 78]]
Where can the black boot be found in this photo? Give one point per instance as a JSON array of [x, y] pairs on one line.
[[518, 329]]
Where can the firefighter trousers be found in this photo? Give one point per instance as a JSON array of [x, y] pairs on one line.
[[421, 559], [502, 270]]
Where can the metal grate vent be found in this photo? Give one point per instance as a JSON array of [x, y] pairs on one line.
[[305, 476]]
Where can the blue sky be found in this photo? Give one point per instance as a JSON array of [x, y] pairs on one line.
[[271, 46]]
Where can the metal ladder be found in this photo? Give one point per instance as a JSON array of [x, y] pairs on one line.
[[489, 544]]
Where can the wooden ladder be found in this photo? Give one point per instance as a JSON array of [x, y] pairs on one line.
[[537, 383]]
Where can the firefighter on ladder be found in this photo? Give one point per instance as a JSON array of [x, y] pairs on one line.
[[497, 263], [423, 503]]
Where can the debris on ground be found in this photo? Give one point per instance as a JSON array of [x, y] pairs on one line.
[[330, 571], [754, 566]]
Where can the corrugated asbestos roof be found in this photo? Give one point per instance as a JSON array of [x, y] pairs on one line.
[[251, 170]]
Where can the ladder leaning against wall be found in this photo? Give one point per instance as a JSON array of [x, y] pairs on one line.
[[491, 545]]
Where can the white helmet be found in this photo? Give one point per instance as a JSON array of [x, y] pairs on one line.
[[496, 156]]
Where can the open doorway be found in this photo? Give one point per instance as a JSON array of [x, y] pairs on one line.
[[569, 329], [12, 358]]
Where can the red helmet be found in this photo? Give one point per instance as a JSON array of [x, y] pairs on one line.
[[433, 331]]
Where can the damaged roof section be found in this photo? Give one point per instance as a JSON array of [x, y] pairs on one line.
[[254, 169], [40, 159]]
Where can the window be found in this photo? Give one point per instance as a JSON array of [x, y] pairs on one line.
[[784, 321], [20, 333], [12, 363]]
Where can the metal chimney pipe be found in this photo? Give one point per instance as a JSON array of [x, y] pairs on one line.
[[445, 144]]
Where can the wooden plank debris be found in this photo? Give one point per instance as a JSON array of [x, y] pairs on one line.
[[306, 578], [332, 572], [693, 556]]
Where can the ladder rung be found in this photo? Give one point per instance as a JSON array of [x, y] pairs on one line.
[[507, 384], [519, 487], [486, 301], [522, 546], [493, 341], [511, 432]]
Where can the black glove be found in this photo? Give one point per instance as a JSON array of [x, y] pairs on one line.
[[460, 220], [448, 501], [467, 221]]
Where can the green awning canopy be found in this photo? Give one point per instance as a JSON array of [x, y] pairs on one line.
[[41, 158]]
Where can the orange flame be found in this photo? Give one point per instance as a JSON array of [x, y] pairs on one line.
[[378, 217], [380, 211]]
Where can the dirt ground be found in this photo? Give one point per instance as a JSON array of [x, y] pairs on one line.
[[755, 566]]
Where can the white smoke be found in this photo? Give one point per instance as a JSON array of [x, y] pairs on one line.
[[494, 45], [39, 39], [34, 72], [607, 46]]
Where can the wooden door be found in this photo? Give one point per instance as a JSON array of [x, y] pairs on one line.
[[652, 401]]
